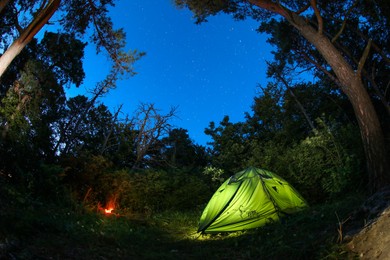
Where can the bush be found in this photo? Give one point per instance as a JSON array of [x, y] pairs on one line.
[[82, 176], [156, 190], [145, 191], [47, 184], [320, 166]]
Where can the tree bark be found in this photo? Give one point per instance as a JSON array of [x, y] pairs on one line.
[[28, 34], [3, 4], [351, 84]]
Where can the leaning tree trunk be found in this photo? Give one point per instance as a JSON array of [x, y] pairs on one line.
[[351, 84], [28, 34], [354, 89]]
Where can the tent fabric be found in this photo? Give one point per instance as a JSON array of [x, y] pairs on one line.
[[249, 199]]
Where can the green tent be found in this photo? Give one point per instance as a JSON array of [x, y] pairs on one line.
[[249, 199]]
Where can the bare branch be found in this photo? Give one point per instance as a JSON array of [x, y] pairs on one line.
[[107, 137], [150, 125]]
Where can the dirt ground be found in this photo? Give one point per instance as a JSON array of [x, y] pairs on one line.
[[373, 240]]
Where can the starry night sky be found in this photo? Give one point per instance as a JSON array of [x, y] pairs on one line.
[[208, 70]]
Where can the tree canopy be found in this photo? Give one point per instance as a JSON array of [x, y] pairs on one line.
[[344, 41], [24, 19]]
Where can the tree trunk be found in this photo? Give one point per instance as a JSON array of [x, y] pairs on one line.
[[10, 54], [351, 84], [353, 87], [28, 34], [3, 4]]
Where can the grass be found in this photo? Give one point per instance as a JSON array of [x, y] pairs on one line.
[[38, 231]]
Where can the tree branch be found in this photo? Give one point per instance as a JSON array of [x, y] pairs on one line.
[[303, 8], [363, 59], [313, 4], [18, 27], [321, 68], [43, 17], [343, 24], [271, 6], [107, 38], [340, 31], [373, 44], [107, 137], [278, 75]]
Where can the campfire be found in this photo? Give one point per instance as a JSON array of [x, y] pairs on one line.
[[109, 210], [109, 207]]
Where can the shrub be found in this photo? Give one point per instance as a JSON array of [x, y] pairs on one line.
[[82, 177], [156, 190], [321, 166], [47, 183], [143, 191]]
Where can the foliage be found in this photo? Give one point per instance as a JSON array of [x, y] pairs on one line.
[[67, 66], [33, 101], [334, 42], [81, 175], [230, 145], [75, 17], [321, 167], [95, 183], [47, 186], [181, 152], [83, 128], [154, 191], [321, 163], [214, 173]]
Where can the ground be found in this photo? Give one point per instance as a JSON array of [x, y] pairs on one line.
[[373, 240], [41, 231]]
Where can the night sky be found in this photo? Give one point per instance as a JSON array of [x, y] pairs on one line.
[[207, 71]]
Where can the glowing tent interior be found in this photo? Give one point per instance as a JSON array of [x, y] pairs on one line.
[[249, 199]]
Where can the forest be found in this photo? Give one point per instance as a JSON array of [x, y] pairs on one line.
[[80, 180]]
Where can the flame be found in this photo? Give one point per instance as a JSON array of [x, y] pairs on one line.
[[110, 206], [108, 211]]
